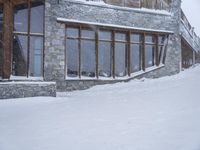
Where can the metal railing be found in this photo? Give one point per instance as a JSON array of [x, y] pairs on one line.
[[190, 29]]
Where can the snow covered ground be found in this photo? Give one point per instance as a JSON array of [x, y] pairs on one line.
[[160, 114]]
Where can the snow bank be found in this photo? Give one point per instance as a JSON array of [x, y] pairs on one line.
[[160, 114]]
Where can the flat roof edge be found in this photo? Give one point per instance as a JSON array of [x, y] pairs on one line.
[[64, 20]]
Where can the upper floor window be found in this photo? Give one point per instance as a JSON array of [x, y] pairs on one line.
[[151, 4]]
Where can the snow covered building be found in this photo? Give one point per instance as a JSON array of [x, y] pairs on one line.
[[49, 45]]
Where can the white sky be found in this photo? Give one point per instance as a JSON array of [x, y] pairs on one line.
[[191, 9]]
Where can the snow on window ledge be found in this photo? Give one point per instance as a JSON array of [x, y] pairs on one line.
[[26, 78], [133, 75], [26, 82], [64, 20]]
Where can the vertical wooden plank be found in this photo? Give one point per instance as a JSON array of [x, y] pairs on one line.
[[7, 38]]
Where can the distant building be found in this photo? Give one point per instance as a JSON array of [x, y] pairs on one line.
[[81, 43]]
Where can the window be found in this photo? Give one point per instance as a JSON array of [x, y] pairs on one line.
[[151, 4], [150, 49], [135, 52], [105, 53], [88, 53], [120, 54], [126, 3], [110, 53], [81, 52], [72, 53], [28, 39]]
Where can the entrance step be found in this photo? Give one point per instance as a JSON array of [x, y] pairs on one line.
[[20, 89]]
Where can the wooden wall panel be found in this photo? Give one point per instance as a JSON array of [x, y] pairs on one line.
[[7, 38]]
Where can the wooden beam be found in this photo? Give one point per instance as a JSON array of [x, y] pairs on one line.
[[14, 1], [7, 38], [17, 2]]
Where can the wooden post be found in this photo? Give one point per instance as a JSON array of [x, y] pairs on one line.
[[7, 38]]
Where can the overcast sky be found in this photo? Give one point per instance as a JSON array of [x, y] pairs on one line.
[[191, 9]]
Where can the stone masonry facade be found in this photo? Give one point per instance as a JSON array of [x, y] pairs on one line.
[[54, 62], [59, 13]]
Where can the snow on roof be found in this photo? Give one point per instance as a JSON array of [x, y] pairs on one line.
[[111, 25]]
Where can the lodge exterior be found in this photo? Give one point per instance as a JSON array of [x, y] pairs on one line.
[[63, 45]]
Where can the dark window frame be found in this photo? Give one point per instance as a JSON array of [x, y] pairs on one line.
[[30, 34], [128, 42]]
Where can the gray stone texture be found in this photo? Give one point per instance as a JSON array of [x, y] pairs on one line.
[[54, 69], [26, 89]]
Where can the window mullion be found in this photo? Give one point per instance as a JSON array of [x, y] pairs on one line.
[[143, 52], [157, 54], [29, 26], [129, 53], [79, 49], [113, 53], [97, 52]]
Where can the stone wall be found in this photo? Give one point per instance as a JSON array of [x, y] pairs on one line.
[[69, 9], [19, 89]]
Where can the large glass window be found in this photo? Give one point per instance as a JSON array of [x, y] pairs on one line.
[[88, 53], [21, 18], [28, 39], [81, 52], [20, 57], [135, 53], [88, 58], [120, 54], [36, 20], [100, 52], [105, 53], [150, 48], [72, 53], [1, 40], [36, 56]]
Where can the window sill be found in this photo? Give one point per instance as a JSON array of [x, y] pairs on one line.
[[23, 78]]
